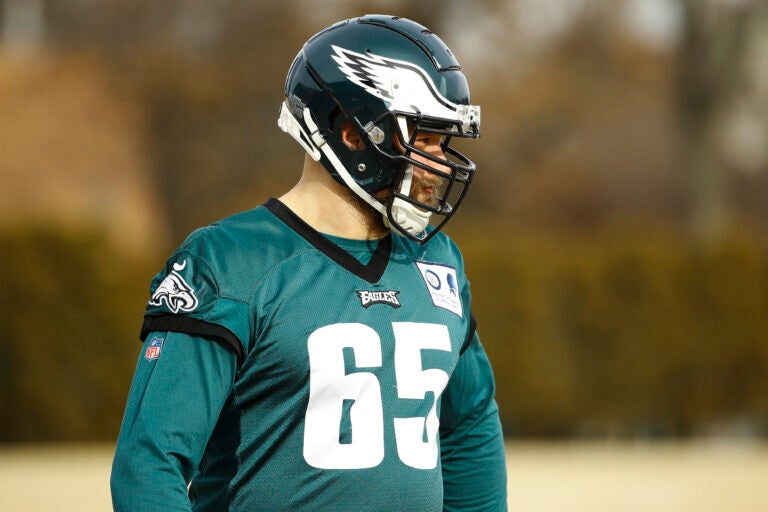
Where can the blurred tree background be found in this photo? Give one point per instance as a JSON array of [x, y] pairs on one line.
[[615, 236]]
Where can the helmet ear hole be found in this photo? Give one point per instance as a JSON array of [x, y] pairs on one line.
[[350, 136]]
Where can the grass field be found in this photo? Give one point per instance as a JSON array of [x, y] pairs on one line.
[[691, 477]]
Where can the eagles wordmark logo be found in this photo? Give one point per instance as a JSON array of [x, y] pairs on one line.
[[368, 298], [177, 294]]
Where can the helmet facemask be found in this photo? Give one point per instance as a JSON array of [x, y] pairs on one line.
[[429, 184]]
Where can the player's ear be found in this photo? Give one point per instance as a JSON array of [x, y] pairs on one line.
[[350, 137]]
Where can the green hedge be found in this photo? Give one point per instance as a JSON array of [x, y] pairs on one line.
[[70, 310], [641, 333], [633, 333]]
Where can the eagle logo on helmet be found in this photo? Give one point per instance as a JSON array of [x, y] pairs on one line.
[[177, 294], [402, 84]]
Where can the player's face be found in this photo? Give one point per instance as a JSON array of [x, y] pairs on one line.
[[426, 186]]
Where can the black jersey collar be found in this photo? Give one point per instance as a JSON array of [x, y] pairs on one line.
[[371, 272]]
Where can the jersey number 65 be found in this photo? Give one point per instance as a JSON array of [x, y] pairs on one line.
[[331, 386]]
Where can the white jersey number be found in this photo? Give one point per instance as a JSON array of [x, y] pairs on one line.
[[330, 386]]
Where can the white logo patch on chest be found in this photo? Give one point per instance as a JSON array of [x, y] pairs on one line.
[[442, 285]]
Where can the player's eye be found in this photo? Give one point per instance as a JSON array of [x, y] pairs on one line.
[[430, 140]]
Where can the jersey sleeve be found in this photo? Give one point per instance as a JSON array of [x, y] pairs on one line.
[[179, 388], [472, 444], [188, 297]]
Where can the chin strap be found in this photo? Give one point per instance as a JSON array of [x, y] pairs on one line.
[[405, 217]]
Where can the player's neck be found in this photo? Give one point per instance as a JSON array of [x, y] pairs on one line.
[[331, 208]]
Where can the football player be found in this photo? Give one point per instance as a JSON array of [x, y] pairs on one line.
[[319, 352]]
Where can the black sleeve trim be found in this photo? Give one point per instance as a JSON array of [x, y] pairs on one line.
[[194, 327], [470, 334]]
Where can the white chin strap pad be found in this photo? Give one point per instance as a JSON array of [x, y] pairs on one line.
[[407, 216]]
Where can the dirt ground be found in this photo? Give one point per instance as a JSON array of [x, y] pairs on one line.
[[598, 477]]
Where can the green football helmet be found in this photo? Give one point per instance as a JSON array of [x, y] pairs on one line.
[[393, 79]]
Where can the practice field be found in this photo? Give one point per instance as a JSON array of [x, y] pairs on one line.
[[695, 477]]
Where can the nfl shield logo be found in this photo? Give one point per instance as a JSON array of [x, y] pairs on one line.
[[153, 348]]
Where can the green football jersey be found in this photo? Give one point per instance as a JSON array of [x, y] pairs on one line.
[[324, 389]]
